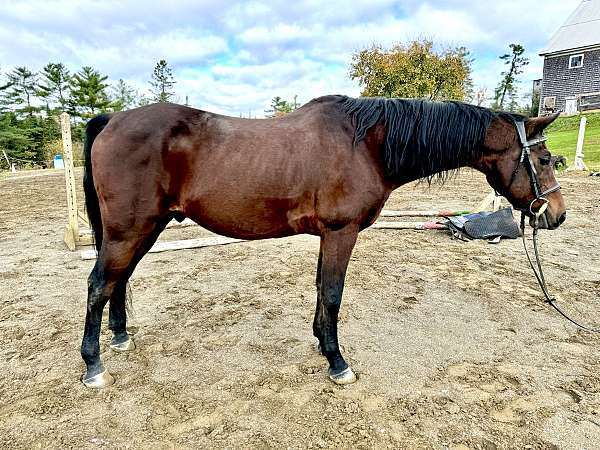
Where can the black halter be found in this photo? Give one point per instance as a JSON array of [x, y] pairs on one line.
[[536, 213]]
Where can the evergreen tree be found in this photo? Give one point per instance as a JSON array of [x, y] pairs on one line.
[[26, 140], [12, 139], [3, 88], [508, 85], [54, 87], [143, 100], [88, 92], [162, 82], [281, 107], [535, 104], [26, 137], [19, 91], [123, 96]]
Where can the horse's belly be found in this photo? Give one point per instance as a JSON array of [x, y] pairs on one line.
[[253, 218]]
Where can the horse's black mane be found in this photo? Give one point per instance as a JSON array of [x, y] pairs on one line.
[[423, 138]]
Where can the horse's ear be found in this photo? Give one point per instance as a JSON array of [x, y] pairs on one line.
[[538, 124]]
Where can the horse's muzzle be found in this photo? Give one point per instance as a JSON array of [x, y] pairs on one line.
[[546, 222]]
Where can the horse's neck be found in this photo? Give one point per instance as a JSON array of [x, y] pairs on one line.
[[415, 172]]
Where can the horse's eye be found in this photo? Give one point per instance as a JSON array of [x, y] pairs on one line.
[[544, 160]]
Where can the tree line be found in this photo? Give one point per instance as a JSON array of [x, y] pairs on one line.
[[30, 103]]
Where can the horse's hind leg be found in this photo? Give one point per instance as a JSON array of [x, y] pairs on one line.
[[101, 283], [115, 263], [117, 317], [316, 329]]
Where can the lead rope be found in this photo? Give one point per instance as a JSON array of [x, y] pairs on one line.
[[539, 275]]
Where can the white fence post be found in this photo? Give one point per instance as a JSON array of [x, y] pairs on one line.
[[578, 164], [6, 157]]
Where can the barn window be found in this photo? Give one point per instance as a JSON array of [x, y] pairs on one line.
[[550, 102], [575, 61]]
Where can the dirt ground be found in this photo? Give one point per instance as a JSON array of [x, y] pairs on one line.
[[452, 343]]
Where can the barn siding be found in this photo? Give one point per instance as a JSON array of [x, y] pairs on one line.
[[560, 81]]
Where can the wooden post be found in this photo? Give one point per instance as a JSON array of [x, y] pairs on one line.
[[497, 203], [72, 229], [428, 213], [578, 164], [493, 200], [383, 225]]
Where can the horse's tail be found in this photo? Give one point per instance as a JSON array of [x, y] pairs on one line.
[[92, 130]]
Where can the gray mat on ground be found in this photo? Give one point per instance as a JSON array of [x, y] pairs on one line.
[[485, 225]]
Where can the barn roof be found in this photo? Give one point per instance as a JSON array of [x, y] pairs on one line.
[[582, 29]]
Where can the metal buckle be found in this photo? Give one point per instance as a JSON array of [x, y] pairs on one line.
[[542, 209]]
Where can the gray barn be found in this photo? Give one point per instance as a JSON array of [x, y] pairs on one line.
[[571, 80]]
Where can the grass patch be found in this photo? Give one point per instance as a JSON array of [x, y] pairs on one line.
[[562, 139]]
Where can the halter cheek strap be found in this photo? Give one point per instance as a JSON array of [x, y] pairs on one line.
[[540, 196]]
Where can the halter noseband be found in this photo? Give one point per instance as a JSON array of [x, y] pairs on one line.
[[540, 196]]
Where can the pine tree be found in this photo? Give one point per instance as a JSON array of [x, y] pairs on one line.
[[19, 91], [508, 86], [24, 136], [281, 107], [123, 96], [26, 140], [55, 85], [143, 100], [162, 82], [12, 139], [88, 92], [3, 88]]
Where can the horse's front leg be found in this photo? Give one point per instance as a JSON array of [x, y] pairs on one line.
[[336, 248]]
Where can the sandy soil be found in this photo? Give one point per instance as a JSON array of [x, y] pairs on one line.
[[452, 344]]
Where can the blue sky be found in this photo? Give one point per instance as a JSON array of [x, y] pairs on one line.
[[233, 57]]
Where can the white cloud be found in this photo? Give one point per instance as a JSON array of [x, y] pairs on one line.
[[279, 34]]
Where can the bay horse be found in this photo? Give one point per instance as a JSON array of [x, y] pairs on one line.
[[326, 169]]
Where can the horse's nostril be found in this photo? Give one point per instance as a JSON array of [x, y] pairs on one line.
[[562, 218]]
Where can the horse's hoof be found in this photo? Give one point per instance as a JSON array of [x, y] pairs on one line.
[[346, 376], [125, 346], [99, 381]]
